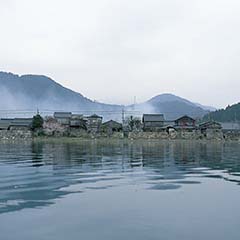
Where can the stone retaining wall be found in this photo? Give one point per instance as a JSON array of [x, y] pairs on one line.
[[180, 134], [15, 134], [231, 135], [209, 134]]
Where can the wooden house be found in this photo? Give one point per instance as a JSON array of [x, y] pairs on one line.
[[5, 123], [63, 117], [94, 123], [185, 122], [21, 124], [210, 125], [211, 130], [153, 122], [78, 121], [111, 126]]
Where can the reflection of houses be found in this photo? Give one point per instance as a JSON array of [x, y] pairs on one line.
[[153, 122], [94, 123], [63, 117], [111, 127], [185, 122]]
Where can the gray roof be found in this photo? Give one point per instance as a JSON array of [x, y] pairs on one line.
[[112, 122], [77, 116], [230, 126], [62, 115], [209, 123], [94, 116], [185, 116], [5, 123], [153, 117], [21, 122]]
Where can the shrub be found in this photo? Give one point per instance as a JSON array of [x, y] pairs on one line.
[[37, 122]]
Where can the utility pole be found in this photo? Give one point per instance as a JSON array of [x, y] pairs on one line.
[[123, 120]]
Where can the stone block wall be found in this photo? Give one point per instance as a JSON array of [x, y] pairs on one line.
[[15, 134]]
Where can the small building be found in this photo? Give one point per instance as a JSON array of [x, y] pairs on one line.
[[94, 123], [21, 124], [230, 126], [211, 130], [63, 117], [153, 122], [111, 127], [78, 123], [5, 123], [185, 122], [210, 125]]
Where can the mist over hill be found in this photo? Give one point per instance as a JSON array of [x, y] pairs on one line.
[[31, 92], [172, 106], [36, 91]]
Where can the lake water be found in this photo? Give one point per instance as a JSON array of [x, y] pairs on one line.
[[119, 190]]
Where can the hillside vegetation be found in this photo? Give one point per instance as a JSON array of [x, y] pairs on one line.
[[229, 114]]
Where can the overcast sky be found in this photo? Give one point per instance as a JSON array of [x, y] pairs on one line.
[[112, 50]]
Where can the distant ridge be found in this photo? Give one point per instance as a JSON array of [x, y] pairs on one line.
[[41, 92], [229, 114], [172, 106]]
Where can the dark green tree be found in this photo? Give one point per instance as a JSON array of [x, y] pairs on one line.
[[37, 122]]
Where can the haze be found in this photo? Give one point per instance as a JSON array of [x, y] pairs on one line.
[[112, 50]]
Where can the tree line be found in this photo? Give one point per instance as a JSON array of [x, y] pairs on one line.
[[229, 114]]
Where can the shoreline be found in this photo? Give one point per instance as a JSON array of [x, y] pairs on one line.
[[112, 140]]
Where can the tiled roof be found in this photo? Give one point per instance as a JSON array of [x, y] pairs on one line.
[[153, 117], [62, 114]]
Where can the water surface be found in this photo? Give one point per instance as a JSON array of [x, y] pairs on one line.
[[119, 190]]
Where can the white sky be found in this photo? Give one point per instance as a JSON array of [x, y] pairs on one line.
[[112, 50]]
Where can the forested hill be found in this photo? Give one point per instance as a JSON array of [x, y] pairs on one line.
[[229, 114], [31, 92]]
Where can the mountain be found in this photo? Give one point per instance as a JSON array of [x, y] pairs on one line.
[[229, 114], [36, 91], [171, 106], [32, 92]]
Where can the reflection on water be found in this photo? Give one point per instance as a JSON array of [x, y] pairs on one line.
[[35, 175]]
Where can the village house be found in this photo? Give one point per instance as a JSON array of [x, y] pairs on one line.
[[5, 123], [153, 122], [78, 121], [211, 130], [94, 123], [210, 125], [185, 122], [63, 117], [111, 126], [21, 124]]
